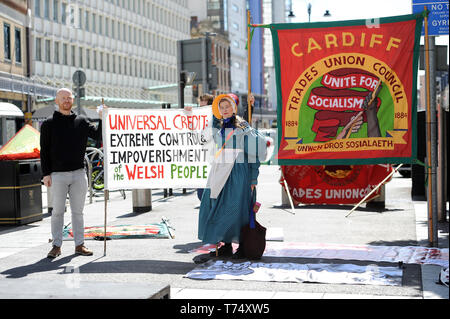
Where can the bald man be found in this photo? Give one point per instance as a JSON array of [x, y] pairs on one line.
[[63, 145]]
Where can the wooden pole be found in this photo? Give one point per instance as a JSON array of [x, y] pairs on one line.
[[372, 98], [373, 190], [428, 128], [249, 70], [286, 186]]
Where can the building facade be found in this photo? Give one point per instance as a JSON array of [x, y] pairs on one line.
[[127, 48], [13, 65], [236, 24], [202, 27], [272, 13]]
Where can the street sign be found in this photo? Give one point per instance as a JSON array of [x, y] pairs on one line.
[[437, 18], [79, 78], [440, 58], [194, 55]]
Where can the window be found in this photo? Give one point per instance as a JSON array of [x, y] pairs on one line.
[[101, 61], [37, 8], [113, 29], [113, 63], [130, 37], [7, 41], [56, 52], [65, 54], [86, 20], [100, 25], [80, 53], [47, 51], [95, 60], [63, 13], [46, 9], [80, 16], [88, 58], [73, 55], [72, 15], [55, 10], [107, 62], [107, 27], [94, 17], [38, 49]]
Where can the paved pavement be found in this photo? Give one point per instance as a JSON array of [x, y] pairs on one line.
[[23, 249]]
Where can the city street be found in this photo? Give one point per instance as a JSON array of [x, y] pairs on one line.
[[138, 263]]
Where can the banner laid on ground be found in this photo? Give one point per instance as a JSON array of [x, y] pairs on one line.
[[347, 90], [156, 230], [152, 148], [293, 272], [392, 254], [334, 184]]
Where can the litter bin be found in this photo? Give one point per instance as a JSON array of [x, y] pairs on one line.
[[20, 192], [142, 200]]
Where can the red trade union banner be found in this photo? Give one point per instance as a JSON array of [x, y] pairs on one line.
[[333, 184], [347, 91]]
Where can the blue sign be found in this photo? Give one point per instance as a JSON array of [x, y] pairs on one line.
[[438, 16]]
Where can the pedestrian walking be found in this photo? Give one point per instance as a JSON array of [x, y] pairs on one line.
[[63, 145], [225, 204]]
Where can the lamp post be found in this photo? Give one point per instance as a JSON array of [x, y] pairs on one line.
[[291, 14], [309, 12], [186, 78]]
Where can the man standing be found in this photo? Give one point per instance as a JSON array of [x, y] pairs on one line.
[[63, 146]]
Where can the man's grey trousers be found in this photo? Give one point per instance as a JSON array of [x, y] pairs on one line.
[[73, 183]]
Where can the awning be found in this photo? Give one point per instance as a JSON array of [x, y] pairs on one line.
[[8, 109]]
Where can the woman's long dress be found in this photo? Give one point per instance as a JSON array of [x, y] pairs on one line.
[[221, 218]]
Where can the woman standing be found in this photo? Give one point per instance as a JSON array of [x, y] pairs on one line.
[[225, 205]]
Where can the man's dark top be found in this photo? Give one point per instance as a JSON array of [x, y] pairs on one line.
[[63, 142]]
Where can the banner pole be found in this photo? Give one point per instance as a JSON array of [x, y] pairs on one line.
[[429, 134], [249, 75], [288, 192], [106, 197], [373, 190], [104, 230]]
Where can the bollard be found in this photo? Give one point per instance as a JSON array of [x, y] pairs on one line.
[[142, 200], [379, 202]]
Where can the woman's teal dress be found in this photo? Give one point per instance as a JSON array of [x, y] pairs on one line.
[[221, 219]]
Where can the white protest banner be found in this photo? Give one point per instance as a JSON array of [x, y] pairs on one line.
[[152, 148]]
